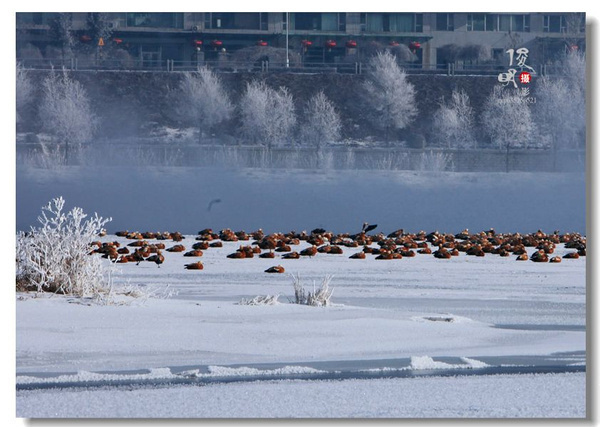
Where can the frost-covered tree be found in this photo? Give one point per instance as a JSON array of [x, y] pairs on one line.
[[322, 123], [24, 90], [55, 257], [390, 95], [203, 100], [65, 110], [268, 115], [61, 30], [453, 122], [507, 119], [560, 104]]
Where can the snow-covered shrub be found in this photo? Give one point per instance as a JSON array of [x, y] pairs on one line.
[[318, 297], [203, 100], [65, 109], [436, 161], [507, 118], [55, 257], [268, 115], [322, 123], [560, 106], [390, 95], [453, 122], [260, 300], [24, 90]]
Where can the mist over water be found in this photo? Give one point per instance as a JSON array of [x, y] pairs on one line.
[[178, 198]]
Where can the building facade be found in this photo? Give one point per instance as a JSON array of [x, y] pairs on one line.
[[436, 39]]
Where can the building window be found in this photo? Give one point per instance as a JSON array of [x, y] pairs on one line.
[[320, 21], [264, 21], [445, 22], [394, 22], [494, 22], [341, 21], [156, 20], [363, 22], [235, 21], [37, 18], [554, 24], [497, 22], [476, 22], [284, 20]]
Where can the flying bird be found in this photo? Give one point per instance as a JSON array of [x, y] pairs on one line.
[[212, 202], [366, 227]]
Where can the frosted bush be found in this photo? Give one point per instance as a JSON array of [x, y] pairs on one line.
[[389, 93], [55, 256], [260, 300], [453, 122], [65, 109], [436, 161], [268, 115], [560, 107], [318, 297], [322, 123], [24, 90], [203, 100], [507, 119]]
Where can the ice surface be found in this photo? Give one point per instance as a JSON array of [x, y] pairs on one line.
[[489, 396]]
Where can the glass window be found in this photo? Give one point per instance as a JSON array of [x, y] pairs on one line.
[[491, 22], [307, 21], [517, 22], [504, 22], [264, 21], [475, 22], [363, 22], [157, 20], [342, 21], [418, 23], [553, 23], [404, 23], [445, 21], [236, 21], [375, 22], [329, 21]]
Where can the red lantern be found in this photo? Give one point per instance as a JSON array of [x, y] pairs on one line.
[[573, 47], [216, 43], [414, 45], [330, 43], [197, 43], [85, 38], [394, 43], [261, 43], [351, 44], [306, 43], [118, 41]]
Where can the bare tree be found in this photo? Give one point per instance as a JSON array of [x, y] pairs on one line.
[[268, 115], [507, 119], [453, 122], [322, 122], [65, 110], [203, 100], [390, 95], [24, 90]]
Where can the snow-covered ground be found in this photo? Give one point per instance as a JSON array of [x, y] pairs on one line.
[[493, 396], [412, 319], [386, 316]]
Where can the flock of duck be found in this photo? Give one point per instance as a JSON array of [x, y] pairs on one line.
[[396, 245]]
